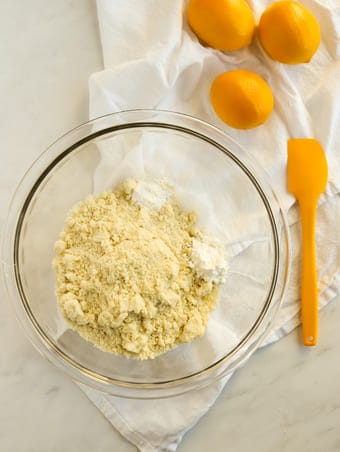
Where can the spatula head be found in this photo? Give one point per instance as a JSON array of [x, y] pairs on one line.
[[307, 168]]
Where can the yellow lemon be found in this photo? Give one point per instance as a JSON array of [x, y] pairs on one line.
[[242, 99], [289, 32], [222, 24]]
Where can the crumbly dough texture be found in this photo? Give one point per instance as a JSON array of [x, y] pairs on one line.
[[123, 275]]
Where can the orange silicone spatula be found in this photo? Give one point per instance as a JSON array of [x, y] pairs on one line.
[[307, 179]]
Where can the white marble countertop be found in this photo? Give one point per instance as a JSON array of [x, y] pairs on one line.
[[285, 399]]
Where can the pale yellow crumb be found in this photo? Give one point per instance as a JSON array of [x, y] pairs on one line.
[[123, 277]]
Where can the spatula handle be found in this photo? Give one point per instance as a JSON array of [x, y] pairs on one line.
[[309, 288]]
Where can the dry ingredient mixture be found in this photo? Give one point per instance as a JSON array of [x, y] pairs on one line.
[[134, 275]]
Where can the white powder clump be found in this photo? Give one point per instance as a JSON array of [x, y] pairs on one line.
[[209, 260], [150, 193]]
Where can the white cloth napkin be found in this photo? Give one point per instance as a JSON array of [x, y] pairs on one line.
[[153, 60]]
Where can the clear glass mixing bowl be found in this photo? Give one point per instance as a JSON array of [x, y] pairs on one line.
[[186, 151]]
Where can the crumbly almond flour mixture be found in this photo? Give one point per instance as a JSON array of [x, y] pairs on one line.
[[129, 274]]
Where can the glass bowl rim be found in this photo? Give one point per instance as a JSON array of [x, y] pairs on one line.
[[16, 216]]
